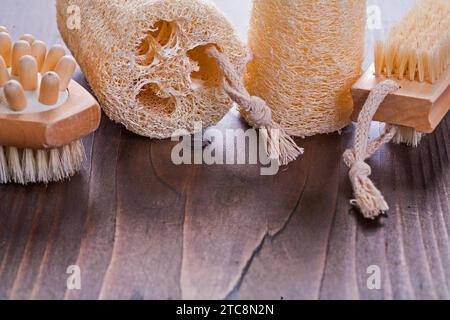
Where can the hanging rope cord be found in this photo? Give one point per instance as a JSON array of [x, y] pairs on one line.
[[278, 144], [368, 198]]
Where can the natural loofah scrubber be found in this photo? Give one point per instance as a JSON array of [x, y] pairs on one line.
[[307, 55], [146, 60]]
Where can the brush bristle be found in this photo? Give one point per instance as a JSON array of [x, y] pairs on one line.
[[418, 47], [66, 161], [4, 169], [40, 166]]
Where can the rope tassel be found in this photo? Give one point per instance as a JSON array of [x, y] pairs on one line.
[[278, 144], [368, 198]]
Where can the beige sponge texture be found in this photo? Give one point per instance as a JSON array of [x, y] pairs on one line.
[[146, 60], [307, 55]]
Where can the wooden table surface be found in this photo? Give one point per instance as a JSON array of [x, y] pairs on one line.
[[140, 227]]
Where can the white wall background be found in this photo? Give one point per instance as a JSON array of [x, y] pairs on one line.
[[238, 11]]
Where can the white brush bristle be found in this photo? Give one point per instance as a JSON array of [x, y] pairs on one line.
[[55, 165], [4, 169], [15, 165], [78, 154], [40, 166], [416, 49]]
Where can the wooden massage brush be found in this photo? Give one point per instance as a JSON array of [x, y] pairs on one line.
[[43, 112], [407, 87], [416, 55]]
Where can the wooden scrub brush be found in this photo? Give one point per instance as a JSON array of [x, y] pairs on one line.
[[407, 88], [43, 112]]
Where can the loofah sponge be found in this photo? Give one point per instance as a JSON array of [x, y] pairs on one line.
[[147, 63], [307, 55]]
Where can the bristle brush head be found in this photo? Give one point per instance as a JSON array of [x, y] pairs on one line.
[[20, 48]]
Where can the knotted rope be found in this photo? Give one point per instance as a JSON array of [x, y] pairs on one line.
[[278, 144], [368, 198]]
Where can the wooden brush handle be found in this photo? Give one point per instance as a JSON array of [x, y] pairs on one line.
[[76, 118]]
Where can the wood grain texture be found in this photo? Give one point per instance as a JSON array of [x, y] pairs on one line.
[[140, 227]]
